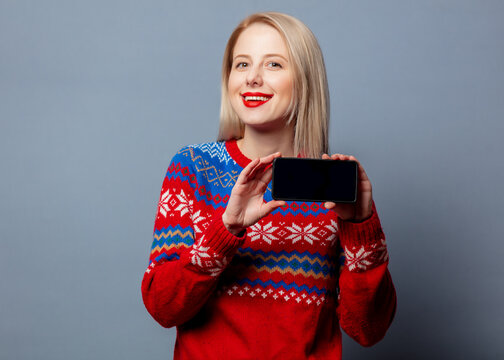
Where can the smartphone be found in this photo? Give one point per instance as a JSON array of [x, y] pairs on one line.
[[300, 179]]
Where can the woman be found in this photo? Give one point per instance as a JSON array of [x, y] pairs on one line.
[[241, 275]]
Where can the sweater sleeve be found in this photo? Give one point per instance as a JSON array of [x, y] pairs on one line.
[[367, 295], [191, 248]]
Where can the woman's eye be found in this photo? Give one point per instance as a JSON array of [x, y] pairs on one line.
[[241, 65], [275, 65]]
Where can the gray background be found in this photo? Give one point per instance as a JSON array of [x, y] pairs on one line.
[[97, 96]]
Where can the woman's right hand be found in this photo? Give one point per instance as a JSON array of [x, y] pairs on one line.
[[246, 205]]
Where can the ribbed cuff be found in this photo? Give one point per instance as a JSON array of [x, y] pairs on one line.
[[214, 250], [357, 234], [363, 243], [219, 239]]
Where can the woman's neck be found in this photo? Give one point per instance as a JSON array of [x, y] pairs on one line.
[[256, 144]]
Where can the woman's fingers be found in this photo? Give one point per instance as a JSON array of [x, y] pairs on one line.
[[262, 164], [363, 178], [249, 170], [244, 175], [255, 170], [340, 157], [266, 177], [329, 205], [272, 205], [362, 173]]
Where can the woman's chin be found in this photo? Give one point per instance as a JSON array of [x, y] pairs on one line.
[[265, 125]]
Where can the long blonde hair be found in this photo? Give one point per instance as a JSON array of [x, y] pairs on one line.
[[309, 108]]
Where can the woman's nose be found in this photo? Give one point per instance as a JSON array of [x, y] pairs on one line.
[[254, 76]]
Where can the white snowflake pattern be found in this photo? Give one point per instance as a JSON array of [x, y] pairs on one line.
[[198, 220], [185, 205], [357, 259], [202, 258], [164, 203], [218, 267], [199, 254], [150, 267], [333, 228], [382, 252], [302, 234], [279, 295], [263, 232]]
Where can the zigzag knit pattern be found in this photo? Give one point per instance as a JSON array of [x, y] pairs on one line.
[[282, 290], [294, 250]]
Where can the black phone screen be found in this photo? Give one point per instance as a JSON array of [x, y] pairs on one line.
[[314, 180]]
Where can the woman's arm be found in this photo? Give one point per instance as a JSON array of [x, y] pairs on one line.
[[187, 257], [187, 254], [367, 295]]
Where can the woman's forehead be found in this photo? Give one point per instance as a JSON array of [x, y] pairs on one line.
[[260, 39]]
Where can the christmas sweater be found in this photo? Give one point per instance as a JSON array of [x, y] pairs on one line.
[[282, 289]]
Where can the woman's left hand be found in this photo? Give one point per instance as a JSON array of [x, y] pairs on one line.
[[363, 207]]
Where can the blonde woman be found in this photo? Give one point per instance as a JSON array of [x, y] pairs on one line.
[[243, 276]]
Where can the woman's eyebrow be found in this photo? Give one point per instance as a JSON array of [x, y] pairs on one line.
[[241, 55], [276, 55]]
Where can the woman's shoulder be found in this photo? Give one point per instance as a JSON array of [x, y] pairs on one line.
[[215, 151]]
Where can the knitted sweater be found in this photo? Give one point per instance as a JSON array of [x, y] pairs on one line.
[[282, 290]]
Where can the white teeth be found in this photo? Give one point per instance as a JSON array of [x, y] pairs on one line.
[[256, 98]]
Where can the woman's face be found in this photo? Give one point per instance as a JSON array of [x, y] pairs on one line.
[[260, 84]]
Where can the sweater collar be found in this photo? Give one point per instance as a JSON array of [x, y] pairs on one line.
[[235, 152]]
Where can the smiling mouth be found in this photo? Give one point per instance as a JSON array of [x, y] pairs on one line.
[[255, 99]]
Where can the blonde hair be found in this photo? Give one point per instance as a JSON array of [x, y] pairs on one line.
[[309, 108]]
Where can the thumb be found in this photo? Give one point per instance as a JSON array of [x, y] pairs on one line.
[[272, 205]]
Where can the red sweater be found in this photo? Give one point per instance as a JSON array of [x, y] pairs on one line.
[[283, 289]]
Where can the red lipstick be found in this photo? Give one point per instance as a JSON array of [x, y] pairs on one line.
[[255, 99]]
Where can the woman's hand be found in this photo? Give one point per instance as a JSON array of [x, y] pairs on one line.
[[363, 207], [246, 205]]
